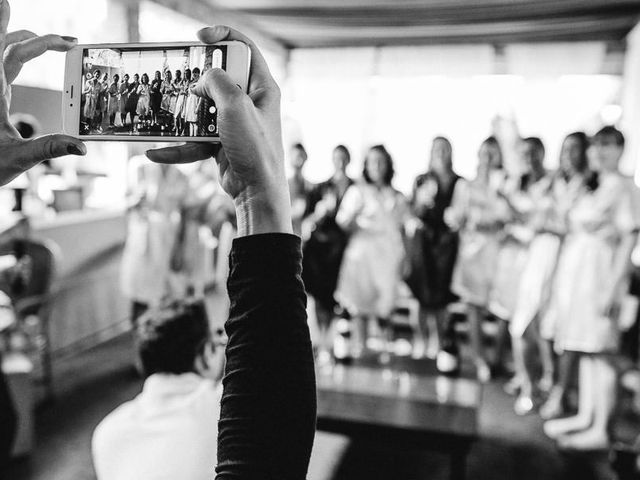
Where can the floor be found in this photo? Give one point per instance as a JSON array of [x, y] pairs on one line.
[[91, 384]]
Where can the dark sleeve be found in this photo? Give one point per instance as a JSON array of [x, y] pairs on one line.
[[8, 421], [268, 408]]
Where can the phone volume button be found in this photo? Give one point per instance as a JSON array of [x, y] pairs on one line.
[[71, 93]]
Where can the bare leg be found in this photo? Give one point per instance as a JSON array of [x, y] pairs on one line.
[[554, 407], [420, 337], [475, 336], [433, 339], [548, 369], [583, 419], [524, 402], [604, 398]]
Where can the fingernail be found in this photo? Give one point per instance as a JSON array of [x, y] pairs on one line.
[[68, 39], [72, 148]]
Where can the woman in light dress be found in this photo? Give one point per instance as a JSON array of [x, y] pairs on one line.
[[144, 97], [181, 87], [92, 90], [479, 212], [374, 213], [157, 197], [592, 277], [192, 106], [168, 93]]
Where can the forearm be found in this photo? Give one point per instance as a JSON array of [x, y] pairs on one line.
[[261, 212], [268, 408]]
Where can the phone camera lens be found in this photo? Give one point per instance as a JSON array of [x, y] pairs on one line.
[[212, 109], [212, 128]]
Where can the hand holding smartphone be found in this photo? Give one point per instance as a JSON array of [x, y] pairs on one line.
[[144, 92]]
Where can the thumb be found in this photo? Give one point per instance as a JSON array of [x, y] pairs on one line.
[[217, 85], [31, 152]]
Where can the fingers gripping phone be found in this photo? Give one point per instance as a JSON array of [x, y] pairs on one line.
[[143, 92]]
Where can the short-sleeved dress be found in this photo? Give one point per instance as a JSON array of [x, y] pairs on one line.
[[370, 273], [144, 97], [585, 272], [480, 212], [181, 97], [114, 101], [123, 91], [192, 105]]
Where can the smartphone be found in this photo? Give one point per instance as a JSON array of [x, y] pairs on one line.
[[143, 92]]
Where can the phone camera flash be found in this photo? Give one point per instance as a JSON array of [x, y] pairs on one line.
[[212, 109]]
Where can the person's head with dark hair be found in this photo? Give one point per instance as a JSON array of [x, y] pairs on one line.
[[174, 339], [532, 155], [440, 160], [178, 76], [378, 166], [608, 146], [125, 78], [489, 156], [145, 79], [187, 74], [573, 154], [96, 74], [136, 78], [196, 74], [157, 75], [116, 78], [105, 77], [167, 75], [341, 158], [297, 157]]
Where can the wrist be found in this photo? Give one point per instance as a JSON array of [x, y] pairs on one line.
[[263, 212]]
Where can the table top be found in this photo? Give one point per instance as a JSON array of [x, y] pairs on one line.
[[404, 395]]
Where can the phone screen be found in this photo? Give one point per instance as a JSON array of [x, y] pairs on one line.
[[147, 91]]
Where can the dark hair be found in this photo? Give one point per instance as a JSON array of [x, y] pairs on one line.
[[387, 156], [299, 146], [97, 70], [115, 75], [535, 142], [344, 150], [170, 339], [609, 131], [196, 70], [583, 141], [493, 142]]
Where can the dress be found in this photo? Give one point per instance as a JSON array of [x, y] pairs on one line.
[[192, 104], [155, 95], [144, 99], [92, 91], [123, 90], [480, 213], [114, 101], [596, 222], [168, 97], [324, 249], [432, 248], [181, 92], [152, 232], [132, 99], [371, 267]]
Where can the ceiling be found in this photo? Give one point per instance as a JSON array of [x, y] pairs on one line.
[[340, 23]]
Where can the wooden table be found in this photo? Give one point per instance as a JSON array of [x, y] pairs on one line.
[[404, 402]]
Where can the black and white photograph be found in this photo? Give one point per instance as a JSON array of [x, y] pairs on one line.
[[320, 240], [147, 92]]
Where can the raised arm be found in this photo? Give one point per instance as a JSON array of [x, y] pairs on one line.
[[267, 419]]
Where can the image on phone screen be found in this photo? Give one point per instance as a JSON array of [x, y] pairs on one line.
[[148, 91]]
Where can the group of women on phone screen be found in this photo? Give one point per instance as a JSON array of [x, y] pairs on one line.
[[164, 102], [547, 254]]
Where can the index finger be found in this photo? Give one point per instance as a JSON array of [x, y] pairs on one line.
[[259, 74]]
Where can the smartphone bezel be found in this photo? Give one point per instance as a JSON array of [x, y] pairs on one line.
[[238, 61]]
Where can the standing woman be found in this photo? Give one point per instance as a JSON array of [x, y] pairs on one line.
[[299, 187], [323, 251], [103, 99], [92, 89], [433, 246], [373, 212], [593, 275], [168, 98], [123, 92], [192, 105], [479, 212], [114, 100], [132, 100], [573, 180], [144, 97], [181, 86], [155, 96]]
